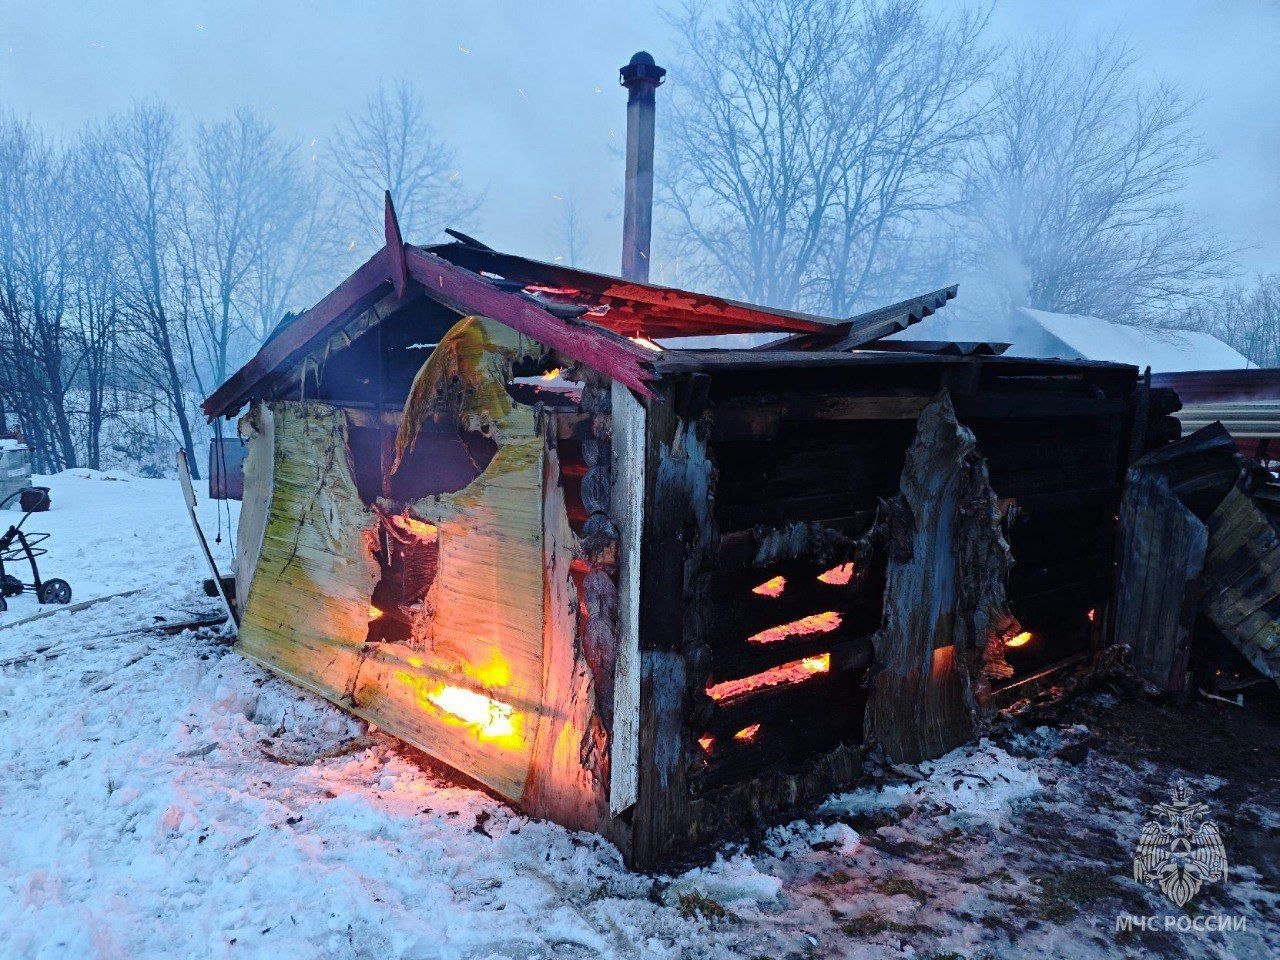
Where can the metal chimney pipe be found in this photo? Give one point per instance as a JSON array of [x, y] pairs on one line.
[[641, 78]]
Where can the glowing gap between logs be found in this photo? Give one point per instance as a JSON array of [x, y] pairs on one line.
[[794, 672], [814, 623]]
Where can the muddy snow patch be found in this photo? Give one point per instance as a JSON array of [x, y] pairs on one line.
[[974, 782], [729, 882]]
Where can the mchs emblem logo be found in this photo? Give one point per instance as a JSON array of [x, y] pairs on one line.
[[1180, 850]]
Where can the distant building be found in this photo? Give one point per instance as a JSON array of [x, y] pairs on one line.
[[1038, 333]]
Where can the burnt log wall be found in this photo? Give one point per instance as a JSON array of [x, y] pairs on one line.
[[763, 558]]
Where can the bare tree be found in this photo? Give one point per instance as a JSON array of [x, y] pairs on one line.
[[1247, 318], [300, 257], [40, 225], [1073, 192], [137, 162], [806, 135], [390, 145], [241, 229]]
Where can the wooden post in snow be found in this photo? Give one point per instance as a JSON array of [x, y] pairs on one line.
[[641, 78]]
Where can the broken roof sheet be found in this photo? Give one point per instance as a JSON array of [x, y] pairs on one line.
[[629, 307], [865, 328], [601, 321]]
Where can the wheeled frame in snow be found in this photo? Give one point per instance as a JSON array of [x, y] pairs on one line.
[[17, 545]]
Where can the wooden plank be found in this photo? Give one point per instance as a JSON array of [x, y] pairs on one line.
[[944, 594], [307, 613], [395, 247], [628, 452], [567, 779], [1162, 554], [189, 495], [677, 503], [1242, 580], [734, 661], [258, 428], [797, 700]]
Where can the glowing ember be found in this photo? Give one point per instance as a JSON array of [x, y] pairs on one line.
[[374, 612], [1092, 614], [492, 719], [1019, 640], [787, 673], [814, 623], [771, 588], [747, 734], [838, 576], [706, 742], [412, 526]]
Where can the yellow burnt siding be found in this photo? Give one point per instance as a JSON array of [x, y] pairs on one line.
[[481, 628], [479, 638], [308, 609]]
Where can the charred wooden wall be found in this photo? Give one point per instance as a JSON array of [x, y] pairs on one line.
[[764, 564]]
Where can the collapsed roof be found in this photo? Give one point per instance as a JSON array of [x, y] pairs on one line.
[[604, 322]]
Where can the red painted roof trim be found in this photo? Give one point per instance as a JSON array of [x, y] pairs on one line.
[[465, 292], [456, 288]]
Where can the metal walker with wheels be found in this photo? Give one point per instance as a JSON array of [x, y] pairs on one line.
[[16, 545]]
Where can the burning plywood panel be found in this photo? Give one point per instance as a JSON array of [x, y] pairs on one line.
[[484, 670]]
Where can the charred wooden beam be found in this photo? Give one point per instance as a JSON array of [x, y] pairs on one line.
[[944, 599]]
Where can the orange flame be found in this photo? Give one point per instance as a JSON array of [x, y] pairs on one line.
[[793, 672], [492, 719], [838, 576], [747, 734], [551, 374], [1022, 638], [771, 588], [814, 623], [706, 742], [487, 718]]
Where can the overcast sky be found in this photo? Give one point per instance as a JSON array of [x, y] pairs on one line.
[[527, 91]]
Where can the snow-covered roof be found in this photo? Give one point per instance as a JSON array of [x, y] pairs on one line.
[[1062, 336], [1162, 350]]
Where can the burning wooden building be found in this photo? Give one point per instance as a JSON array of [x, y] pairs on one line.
[[656, 592]]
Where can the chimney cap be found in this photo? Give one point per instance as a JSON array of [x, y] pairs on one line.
[[641, 69]]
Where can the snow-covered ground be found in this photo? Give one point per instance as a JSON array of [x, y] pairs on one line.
[[162, 797]]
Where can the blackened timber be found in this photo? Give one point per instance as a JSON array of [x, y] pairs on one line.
[[760, 548]]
